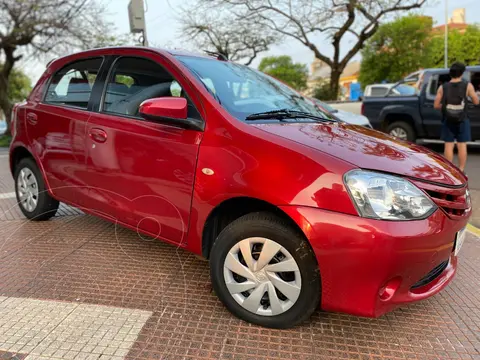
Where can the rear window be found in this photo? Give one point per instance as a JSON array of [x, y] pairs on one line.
[[378, 91], [72, 85]]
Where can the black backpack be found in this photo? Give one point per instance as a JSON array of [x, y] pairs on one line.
[[455, 101]]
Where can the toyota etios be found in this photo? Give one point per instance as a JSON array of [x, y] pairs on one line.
[[294, 210]]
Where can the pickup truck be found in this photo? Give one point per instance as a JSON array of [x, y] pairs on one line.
[[411, 117]]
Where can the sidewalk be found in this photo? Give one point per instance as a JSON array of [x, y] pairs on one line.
[[77, 287]]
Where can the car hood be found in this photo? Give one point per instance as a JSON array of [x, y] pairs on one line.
[[370, 149], [351, 118]]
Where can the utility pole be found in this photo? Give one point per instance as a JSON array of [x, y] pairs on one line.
[[446, 34], [136, 15]]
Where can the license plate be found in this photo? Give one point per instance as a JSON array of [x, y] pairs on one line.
[[459, 240]]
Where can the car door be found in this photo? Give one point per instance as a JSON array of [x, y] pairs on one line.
[[56, 128], [432, 118], [141, 173]]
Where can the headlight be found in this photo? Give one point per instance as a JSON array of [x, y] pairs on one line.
[[387, 197]]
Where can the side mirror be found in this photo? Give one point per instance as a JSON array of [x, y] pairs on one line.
[[165, 107], [360, 98], [171, 111]]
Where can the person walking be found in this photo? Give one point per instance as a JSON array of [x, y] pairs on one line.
[[452, 99]]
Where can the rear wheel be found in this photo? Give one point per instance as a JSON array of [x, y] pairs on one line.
[[265, 272], [401, 130], [34, 200]]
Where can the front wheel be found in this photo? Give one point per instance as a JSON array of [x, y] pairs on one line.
[[401, 130], [34, 200], [265, 272]]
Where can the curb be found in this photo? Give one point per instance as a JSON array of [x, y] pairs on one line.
[[474, 230]]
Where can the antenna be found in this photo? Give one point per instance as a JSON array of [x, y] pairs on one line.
[[218, 55]]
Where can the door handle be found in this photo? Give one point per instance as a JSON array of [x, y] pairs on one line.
[[32, 118], [98, 135]]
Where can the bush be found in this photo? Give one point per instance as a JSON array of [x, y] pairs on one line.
[[5, 140], [324, 93]]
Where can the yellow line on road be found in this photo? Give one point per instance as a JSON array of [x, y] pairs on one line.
[[474, 230]]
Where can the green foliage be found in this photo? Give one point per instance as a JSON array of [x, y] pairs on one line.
[[461, 47], [124, 79], [5, 140], [19, 86], [397, 49], [284, 69], [324, 92]]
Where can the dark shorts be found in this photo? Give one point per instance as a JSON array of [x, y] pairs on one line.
[[459, 132]]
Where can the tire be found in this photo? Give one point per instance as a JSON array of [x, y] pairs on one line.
[[27, 173], [404, 128], [304, 282]]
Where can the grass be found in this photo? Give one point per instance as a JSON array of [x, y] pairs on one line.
[[5, 140]]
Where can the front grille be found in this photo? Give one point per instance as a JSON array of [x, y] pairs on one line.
[[432, 275], [454, 201]]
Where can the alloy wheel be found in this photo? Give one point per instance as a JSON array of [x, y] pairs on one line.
[[262, 276], [27, 187], [399, 133]]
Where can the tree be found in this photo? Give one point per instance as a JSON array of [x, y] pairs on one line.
[[463, 47], [19, 86], [323, 92], [45, 26], [347, 23], [397, 49], [224, 33], [283, 68]]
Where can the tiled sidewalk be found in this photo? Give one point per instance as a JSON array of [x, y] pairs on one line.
[[77, 287]]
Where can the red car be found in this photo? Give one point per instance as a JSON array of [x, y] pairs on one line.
[[292, 209]]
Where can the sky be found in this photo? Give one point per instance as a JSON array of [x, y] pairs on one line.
[[163, 28]]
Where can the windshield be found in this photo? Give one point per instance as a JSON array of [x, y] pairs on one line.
[[406, 90], [243, 91], [325, 106]]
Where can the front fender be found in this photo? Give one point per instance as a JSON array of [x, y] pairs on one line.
[[402, 110]]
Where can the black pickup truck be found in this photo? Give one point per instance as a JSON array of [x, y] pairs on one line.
[[412, 116]]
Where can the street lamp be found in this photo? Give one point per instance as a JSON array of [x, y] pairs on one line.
[[136, 15], [446, 34]]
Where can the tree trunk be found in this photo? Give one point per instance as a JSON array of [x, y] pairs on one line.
[[5, 104], [335, 83]]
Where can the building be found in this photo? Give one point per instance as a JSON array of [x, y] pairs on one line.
[[456, 22], [320, 73]]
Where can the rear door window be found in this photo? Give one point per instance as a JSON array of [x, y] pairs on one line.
[[475, 80], [72, 85], [436, 81]]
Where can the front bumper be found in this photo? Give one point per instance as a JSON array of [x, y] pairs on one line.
[[369, 267]]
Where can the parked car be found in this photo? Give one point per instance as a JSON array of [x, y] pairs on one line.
[[342, 115], [390, 89], [412, 116], [292, 210]]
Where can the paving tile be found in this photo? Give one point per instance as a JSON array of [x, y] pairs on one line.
[[89, 289]]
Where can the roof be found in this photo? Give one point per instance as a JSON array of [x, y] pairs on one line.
[[442, 70], [179, 52], [133, 48], [451, 26]]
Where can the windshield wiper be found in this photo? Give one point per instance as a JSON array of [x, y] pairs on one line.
[[283, 114]]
